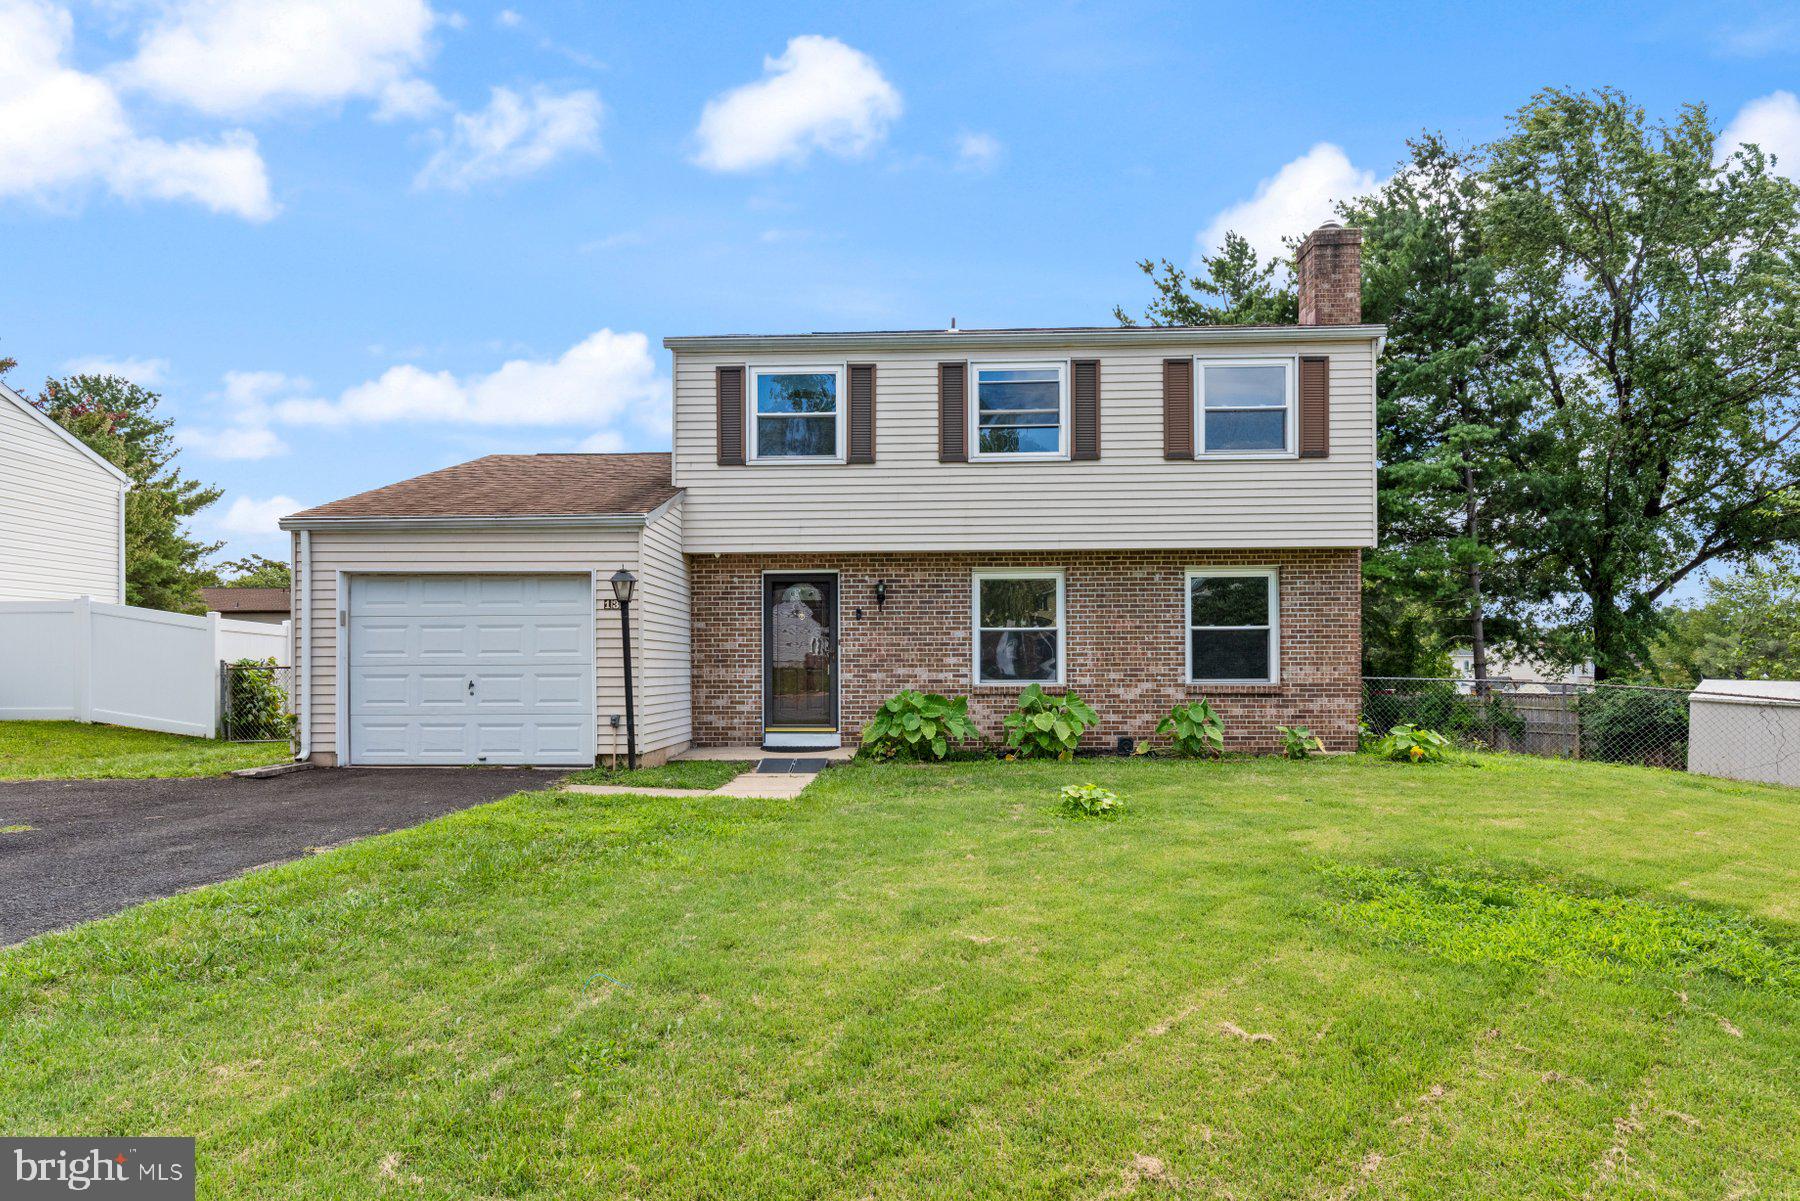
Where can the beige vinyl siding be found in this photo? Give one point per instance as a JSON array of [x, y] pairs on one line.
[[59, 516], [1131, 498], [663, 674], [537, 551]]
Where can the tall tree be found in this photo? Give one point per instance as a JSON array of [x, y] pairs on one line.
[[165, 567], [256, 571], [1451, 405], [1233, 287], [1658, 281], [1747, 628]]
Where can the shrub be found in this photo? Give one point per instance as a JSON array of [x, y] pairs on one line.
[[1410, 744], [255, 701], [1633, 725], [918, 725], [1047, 727], [1441, 705], [1195, 729], [1091, 800], [1297, 742]]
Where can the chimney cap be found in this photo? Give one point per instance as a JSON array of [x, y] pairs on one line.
[[1330, 225]]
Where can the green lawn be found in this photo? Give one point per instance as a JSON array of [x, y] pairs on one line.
[[69, 750], [689, 773], [1330, 979]]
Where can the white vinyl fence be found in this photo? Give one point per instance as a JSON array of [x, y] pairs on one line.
[[82, 660]]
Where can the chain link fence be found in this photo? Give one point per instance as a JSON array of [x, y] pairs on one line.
[[1612, 723], [255, 701]]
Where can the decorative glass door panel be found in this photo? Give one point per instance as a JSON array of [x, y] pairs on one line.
[[799, 653]]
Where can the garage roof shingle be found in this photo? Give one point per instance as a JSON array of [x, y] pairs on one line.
[[554, 485]]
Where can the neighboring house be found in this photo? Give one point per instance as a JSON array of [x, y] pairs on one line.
[[62, 511], [270, 606], [1143, 515], [1521, 670]]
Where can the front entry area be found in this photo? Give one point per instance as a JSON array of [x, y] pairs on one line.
[[457, 669], [800, 629]]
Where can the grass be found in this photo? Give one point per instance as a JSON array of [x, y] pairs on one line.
[[70, 750], [688, 773], [1336, 978]]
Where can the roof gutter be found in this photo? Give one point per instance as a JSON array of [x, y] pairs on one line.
[[622, 521], [1124, 335]]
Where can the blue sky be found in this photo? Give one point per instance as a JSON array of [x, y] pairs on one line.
[[353, 241]]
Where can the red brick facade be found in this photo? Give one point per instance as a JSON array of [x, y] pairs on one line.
[[1124, 644], [1328, 276]]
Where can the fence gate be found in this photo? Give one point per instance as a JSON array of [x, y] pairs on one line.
[[255, 702]]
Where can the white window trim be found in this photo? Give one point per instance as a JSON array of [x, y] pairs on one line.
[[1291, 448], [975, 627], [1273, 575], [751, 429], [1061, 367]]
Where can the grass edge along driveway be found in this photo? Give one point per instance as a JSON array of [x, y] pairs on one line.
[[71, 750], [913, 976]]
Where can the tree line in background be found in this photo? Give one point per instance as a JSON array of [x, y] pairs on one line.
[[165, 565], [1588, 395]]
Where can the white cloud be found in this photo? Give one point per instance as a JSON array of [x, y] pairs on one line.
[[1758, 37], [251, 517], [233, 57], [1771, 122], [408, 99], [977, 151], [515, 135], [63, 129], [235, 442], [507, 18], [1294, 201], [819, 95], [604, 377], [144, 372]]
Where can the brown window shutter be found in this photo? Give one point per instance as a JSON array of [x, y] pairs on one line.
[[730, 382], [1178, 408], [1315, 407], [1084, 409], [862, 413], [953, 412]]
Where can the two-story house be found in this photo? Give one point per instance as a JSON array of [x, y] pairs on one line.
[[1142, 515]]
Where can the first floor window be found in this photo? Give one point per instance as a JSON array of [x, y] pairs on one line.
[[1246, 406], [1018, 627], [1018, 410], [796, 412], [1233, 616]]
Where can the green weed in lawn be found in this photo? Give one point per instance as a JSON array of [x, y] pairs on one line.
[[1487, 917]]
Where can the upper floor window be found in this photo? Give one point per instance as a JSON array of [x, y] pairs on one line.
[[1018, 627], [798, 413], [1020, 410], [1246, 406]]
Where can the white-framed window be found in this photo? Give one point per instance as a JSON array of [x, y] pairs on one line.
[[1234, 625], [796, 413], [1244, 407], [1018, 619], [1019, 410]]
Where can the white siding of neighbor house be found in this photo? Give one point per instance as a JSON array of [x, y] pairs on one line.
[[60, 517], [531, 551], [663, 673], [1131, 498]]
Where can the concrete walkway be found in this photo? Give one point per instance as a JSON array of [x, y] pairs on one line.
[[753, 784]]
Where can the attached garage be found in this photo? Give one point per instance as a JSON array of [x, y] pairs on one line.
[[464, 617], [470, 669]]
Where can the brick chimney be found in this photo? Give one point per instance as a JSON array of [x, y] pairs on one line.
[[1328, 270]]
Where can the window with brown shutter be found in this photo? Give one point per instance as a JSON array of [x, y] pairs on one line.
[[953, 412], [1315, 407], [862, 413], [1178, 408], [1084, 409], [730, 389]]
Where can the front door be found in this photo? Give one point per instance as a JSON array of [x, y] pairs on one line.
[[800, 704]]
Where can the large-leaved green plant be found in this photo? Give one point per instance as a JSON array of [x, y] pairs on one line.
[[1047, 727], [918, 725]]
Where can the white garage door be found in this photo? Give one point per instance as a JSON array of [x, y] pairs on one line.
[[471, 669]]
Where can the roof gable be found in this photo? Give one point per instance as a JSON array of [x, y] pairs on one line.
[[7, 394]]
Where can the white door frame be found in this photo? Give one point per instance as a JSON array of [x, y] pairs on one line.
[[341, 732]]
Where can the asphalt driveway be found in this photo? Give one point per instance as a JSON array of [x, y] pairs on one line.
[[98, 846]]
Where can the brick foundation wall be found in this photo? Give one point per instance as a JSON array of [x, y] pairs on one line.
[[1124, 642]]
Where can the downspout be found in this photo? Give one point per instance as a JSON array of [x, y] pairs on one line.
[[303, 634]]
